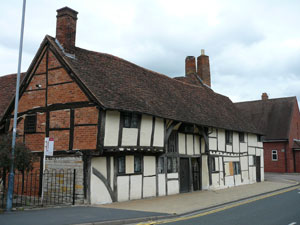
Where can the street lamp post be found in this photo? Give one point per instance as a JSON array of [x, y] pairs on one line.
[[11, 173]]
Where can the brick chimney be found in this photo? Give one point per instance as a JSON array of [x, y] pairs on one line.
[[264, 96], [203, 69], [190, 65], [66, 28]]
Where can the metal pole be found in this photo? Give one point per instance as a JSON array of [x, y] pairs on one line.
[[11, 175]]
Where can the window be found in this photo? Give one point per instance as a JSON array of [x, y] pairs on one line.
[[131, 120], [259, 138], [172, 165], [121, 165], [30, 124], [186, 128], [242, 136], [236, 168], [161, 165], [213, 164], [137, 164], [274, 155], [172, 142], [228, 136], [254, 160]]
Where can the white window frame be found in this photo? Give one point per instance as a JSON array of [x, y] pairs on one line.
[[274, 152]]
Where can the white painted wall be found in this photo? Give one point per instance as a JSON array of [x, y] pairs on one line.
[[215, 180], [190, 144], [173, 187], [149, 187], [123, 188], [221, 139], [228, 148], [252, 140], [202, 145], [99, 193], [212, 143], [149, 165], [158, 138], [112, 124], [129, 136], [135, 187], [205, 177], [235, 142], [243, 147], [99, 163], [197, 144], [161, 185], [146, 130], [181, 143], [172, 175], [129, 164]]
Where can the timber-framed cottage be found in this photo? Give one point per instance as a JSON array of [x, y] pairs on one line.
[[133, 133]]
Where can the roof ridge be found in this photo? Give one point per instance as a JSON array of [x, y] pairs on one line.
[[271, 99]]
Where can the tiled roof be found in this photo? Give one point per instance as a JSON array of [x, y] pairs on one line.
[[7, 91], [121, 85], [272, 116]]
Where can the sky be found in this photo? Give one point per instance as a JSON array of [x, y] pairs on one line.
[[253, 46]]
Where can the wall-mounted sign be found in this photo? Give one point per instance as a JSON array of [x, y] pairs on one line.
[[49, 146]]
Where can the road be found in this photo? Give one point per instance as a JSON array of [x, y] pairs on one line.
[[280, 209]]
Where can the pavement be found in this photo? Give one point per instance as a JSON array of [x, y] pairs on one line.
[[152, 208]]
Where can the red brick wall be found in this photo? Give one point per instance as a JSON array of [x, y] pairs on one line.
[[37, 80], [85, 137], [61, 139], [88, 115], [60, 119], [42, 66], [52, 61], [32, 99], [58, 76], [297, 161], [274, 166], [35, 142]]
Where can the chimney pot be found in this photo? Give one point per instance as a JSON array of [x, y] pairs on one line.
[[66, 28], [264, 96], [190, 65], [203, 68]]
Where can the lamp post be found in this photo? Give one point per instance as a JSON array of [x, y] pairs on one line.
[[11, 173]]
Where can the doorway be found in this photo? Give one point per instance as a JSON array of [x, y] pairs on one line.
[[184, 175], [196, 174], [258, 175]]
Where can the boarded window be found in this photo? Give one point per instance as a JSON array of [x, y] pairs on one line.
[[30, 124]]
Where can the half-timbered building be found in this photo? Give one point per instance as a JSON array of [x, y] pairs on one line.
[[133, 133]]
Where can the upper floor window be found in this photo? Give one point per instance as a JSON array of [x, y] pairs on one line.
[[172, 142], [30, 124], [172, 165], [259, 138], [236, 168], [242, 136], [213, 164], [131, 120], [137, 164], [186, 128], [121, 164], [274, 155], [161, 165], [228, 136]]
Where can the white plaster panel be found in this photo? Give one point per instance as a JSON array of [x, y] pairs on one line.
[[215, 180], [252, 140], [262, 158], [262, 174], [251, 151], [123, 188], [190, 144], [231, 159], [197, 144], [243, 147], [129, 164], [149, 165], [149, 187], [161, 184], [205, 178], [220, 164], [235, 142], [158, 138], [146, 130], [181, 143], [250, 160], [172, 175], [136, 187], [173, 187], [228, 148], [99, 163], [99, 192], [221, 139], [212, 143], [217, 163], [112, 124], [129, 136], [202, 145], [259, 144], [245, 177], [227, 171], [213, 132], [238, 179], [244, 163], [229, 181], [112, 171]]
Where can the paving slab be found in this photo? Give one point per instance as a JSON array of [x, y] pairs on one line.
[[193, 201], [71, 215]]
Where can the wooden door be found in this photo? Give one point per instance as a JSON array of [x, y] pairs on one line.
[[258, 170], [196, 174], [184, 175]]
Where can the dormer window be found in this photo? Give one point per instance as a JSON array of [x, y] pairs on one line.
[[131, 120]]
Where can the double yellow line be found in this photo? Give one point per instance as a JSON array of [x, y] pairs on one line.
[[219, 209]]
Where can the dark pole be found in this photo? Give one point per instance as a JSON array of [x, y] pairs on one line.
[[11, 174]]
